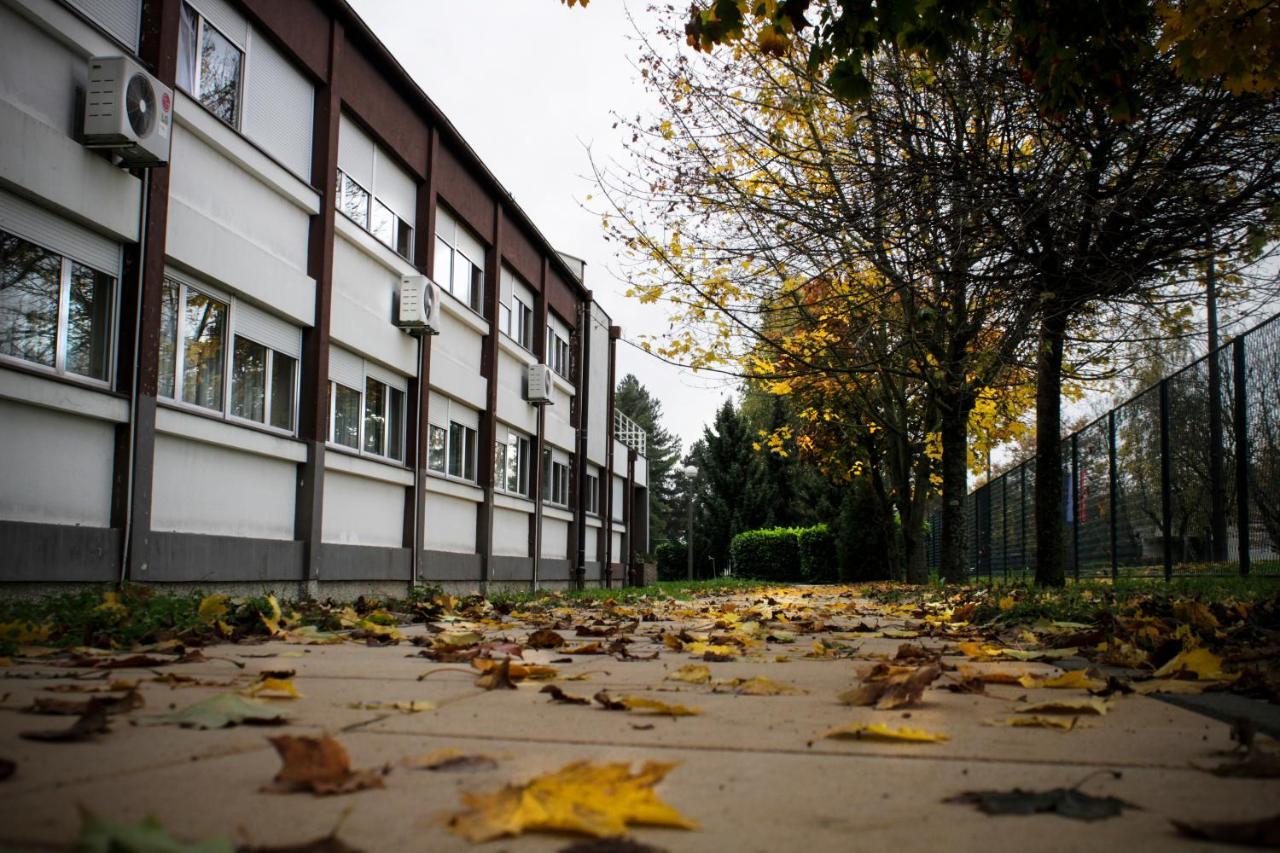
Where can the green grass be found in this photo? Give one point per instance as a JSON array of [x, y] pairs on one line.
[[681, 590]]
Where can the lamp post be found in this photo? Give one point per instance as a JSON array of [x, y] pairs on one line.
[[690, 472]]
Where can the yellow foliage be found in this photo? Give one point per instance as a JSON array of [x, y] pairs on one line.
[[881, 731]]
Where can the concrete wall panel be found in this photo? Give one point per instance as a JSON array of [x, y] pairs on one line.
[[361, 511], [200, 488], [56, 466], [451, 524], [510, 532]]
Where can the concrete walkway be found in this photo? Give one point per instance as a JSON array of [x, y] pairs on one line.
[[753, 771]]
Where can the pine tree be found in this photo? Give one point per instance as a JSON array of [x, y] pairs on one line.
[[731, 489]]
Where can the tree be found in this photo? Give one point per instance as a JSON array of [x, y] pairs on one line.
[[662, 451], [729, 488]]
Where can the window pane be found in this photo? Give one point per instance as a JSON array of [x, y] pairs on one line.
[[249, 380], [354, 201], [456, 440], [383, 223], [219, 74], [283, 369], [513, 468], [435, 448], [504, 319], [404, 239], [89, 322], [477, 287], [546, 475], [168, 337], [204, 329], [187, 49], [346, 416], [30, 279], [395, 426], [375, 417], [442, 265], [461, 285], [469, 455], [500, 463]]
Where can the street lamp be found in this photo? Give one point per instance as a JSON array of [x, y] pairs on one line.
[[690, 472]]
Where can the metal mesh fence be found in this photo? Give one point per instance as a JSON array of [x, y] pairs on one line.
[[1182, 478]]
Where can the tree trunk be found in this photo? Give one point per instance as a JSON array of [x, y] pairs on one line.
[[1050, 528], [955, 488]]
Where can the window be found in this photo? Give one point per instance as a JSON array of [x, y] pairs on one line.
[[364, 209], [371, 422], [458, 265], [209, 66], [511, 462], [523, 319], [592, 497], [383, 420], [437, 439], [557, 352], [555, 479], [462, 451], [195, 329], [54, 312]]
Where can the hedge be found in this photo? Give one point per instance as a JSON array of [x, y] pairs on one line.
[[770, 555], [673, 562], [818, 562]]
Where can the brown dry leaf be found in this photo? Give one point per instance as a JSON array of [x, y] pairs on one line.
[[412, 706], [586, 649], [497, 678], [91, 723], [1036, 721], [880, 731], [596, 800], [761, 686], [78, 707], [450, 760], [558, 695], [544, 638], [692, 673], [516, 671], [1091, 706], [889, 689], [716, 650], [319, 765], [1179, 686], [672, 642], [998, 676], [639, 703]]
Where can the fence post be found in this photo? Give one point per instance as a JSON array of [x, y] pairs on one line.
[[1022, 510], [1112, 488], [1242, 452], [1166, 485], [1004, 525], [1075, 504]]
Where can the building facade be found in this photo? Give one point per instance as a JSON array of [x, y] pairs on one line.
[[200, 377]]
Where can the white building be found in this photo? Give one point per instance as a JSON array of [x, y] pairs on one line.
[[200, 376]]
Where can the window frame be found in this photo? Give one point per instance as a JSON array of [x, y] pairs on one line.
[[442, 420], [361, 432], [474, 301], [591, 500], [58, 368], [510, 440], [201, 22], [555, 480], [397, 221], [228, 366], [558, 356]]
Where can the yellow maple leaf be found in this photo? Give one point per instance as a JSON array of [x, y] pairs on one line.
[[1036, 721], [1182, 686], [881, 731], [640, 703], [212, 608], [761, 686], [274, 688], [272, 621], [1091, 706], [1076, 679], [693, 673], [597, 800], [1203, 663]]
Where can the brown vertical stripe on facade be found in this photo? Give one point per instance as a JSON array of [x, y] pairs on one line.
[[488, 418], [313, 404], [581, 428]]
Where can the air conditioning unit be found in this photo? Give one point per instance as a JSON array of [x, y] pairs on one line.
[[418, 304], [538, 384], [127, 110]]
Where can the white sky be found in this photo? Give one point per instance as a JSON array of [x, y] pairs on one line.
[[529, 83]]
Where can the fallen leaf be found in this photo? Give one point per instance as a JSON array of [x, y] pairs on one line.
[[98, 835], [594, 648], [761, 686], [544, 638], [221, 711], [1066, 802], [558, 695], [640, 703], [597, 800], [274, 688], [319, 765], [7, 768], [611, 845], [1202, 663], [1036, 721], [880, 731], [271, 621], [310, 635], [692, 673], [91, 723], [450, 760], [109, 704], [458, 638], [212, 608], [1091, 706], [1179, 686], [1264, 832], [998, 676], [1256, 764], [414, 706], [900, 687], [516, 671], [497, 678], [1075, 679]]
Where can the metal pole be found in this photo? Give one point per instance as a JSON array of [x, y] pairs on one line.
[[689, 534], [1004, 525], [1217, 481], [1075, 504], [1242, 453], [1113, 477], [1166, 482], [1022, 511]]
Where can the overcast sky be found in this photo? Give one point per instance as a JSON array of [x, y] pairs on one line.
[[529, 83]]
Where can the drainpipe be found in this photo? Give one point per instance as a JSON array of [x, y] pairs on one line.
[[133, 396]]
